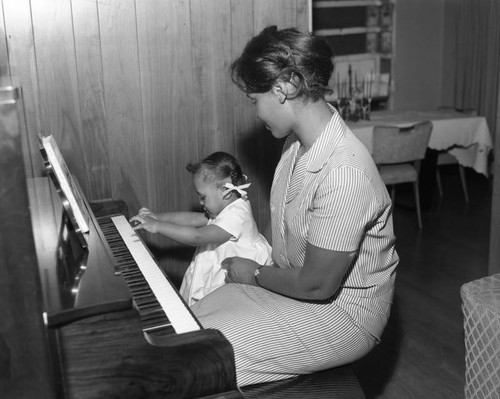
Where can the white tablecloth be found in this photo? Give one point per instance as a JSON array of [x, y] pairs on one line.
[[465, 137]]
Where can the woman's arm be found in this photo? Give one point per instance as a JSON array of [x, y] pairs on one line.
[[189, 235], [319, 279]]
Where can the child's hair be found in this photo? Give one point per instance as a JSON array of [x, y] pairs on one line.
[[218, 166]]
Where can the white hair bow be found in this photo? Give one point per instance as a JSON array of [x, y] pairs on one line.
[[239, 189]]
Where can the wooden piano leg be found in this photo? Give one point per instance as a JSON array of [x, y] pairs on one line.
[[427, 181]]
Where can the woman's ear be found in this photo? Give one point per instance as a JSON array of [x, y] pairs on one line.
[[280, 91], [285, 90]]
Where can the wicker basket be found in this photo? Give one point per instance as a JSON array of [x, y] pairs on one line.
[[481, 309]]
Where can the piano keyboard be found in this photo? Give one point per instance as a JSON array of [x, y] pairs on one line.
[[159, 304]]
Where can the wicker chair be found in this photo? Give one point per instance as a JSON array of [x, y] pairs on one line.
[[398, 152], [481, 310]]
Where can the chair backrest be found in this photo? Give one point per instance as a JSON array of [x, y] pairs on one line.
[[393, 144]]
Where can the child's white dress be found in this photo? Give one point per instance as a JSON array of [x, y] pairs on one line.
[[204, 274]]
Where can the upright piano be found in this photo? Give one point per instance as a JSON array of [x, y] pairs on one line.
[[116, 325], [90, 314]]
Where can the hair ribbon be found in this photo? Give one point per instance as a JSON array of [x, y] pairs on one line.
[[239, 189]]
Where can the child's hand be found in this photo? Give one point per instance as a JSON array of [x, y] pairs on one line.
[[144, 223], [147, 212]]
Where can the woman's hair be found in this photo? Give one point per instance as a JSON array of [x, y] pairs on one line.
[[218, 166], [286, 55]]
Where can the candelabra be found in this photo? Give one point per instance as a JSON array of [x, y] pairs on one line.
[[354, 102], [353, 109]]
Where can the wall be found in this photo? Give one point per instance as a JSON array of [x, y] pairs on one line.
[[134, 90], [449, 53], [418, 64]]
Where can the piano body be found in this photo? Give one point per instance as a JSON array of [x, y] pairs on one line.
[[106, 332]]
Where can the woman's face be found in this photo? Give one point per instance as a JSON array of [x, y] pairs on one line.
[[211, 196], [276, 116]]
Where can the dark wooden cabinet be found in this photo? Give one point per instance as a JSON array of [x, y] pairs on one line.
[[24, 357]]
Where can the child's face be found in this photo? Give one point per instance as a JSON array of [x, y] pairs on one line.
[[211, 196]]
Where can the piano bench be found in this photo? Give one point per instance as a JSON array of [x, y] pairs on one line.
[[338, 382]]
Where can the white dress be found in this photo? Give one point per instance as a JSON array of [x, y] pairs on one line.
[[204, 274]]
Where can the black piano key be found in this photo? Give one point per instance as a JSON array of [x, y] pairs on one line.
[[148, 307], [152, 315]]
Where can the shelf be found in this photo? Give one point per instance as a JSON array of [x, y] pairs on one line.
[[348, 31], [346, 3], [360, 56], [361, 33]]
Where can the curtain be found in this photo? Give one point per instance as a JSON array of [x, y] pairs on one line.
[[477, 86], [478, 58]]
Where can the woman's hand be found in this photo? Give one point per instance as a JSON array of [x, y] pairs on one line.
[[147, 223], [240, 270]]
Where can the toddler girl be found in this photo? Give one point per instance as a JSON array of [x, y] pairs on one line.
[[226, 228]]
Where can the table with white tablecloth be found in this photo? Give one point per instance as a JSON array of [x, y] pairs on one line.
[[465, 137]]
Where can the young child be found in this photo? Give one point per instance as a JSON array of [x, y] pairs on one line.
[[226, 227]]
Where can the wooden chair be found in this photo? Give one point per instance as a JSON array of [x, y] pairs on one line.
[[398, 152], [445, 158]]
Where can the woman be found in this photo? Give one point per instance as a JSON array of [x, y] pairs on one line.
[[327, 299]]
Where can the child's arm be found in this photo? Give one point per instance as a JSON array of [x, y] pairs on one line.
[[194, 219], [189, 235]]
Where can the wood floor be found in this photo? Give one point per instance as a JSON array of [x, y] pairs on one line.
[[422, 350]]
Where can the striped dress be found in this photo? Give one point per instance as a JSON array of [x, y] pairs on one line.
[[333, 198]]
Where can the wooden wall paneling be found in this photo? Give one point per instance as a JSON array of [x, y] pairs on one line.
[[168, 102], [182, 94], [58, 83], [156, 45], [277, 12], [24, 360], [246, 126], [91, 94], [303, 14], [122, 96], [211, 35], [22, 64], [169, 119]]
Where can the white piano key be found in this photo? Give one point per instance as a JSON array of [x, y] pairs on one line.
[[173, 306]]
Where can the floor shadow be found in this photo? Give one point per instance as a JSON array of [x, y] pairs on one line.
[[173, 260], [334, 383], [376, 369]]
